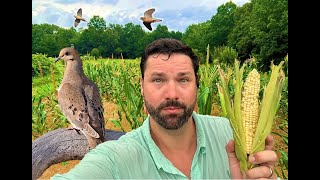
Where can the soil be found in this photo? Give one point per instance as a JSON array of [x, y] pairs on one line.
[[60, 168], [110, 112]]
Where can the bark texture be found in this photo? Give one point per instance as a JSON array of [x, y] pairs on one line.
[[61, 145]]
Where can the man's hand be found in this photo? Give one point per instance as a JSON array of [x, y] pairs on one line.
[[264, 160]]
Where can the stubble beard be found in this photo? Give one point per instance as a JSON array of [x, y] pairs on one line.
[[170, 121]]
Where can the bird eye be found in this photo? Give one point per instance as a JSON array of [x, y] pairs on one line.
[[67, 53]]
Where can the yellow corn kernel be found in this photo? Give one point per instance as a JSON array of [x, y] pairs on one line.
[[250, 107]]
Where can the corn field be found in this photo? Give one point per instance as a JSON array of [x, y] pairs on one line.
[[118, 82]]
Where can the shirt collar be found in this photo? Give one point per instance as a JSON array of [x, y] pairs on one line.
[[201, 143], [160, 160]]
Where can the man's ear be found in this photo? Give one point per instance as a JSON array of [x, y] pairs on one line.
[[141, 85]]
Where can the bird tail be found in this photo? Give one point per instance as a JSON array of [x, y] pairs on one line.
[[157, 20], [88, 130], [93, 142]]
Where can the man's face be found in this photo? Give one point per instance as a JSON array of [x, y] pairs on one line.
[[169, 89]]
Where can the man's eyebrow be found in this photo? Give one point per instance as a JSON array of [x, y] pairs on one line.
[[184, 73], [157, 74]]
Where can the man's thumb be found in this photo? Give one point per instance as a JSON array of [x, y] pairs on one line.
[[234, 163]]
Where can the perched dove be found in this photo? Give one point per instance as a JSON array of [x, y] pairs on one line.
[[148, 19], [79, 99], [78, 18]]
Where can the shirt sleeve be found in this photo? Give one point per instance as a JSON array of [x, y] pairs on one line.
[[96, 164]]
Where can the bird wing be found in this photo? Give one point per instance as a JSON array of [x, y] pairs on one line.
[[74, 105], [95, 108], [76, 22], [148, 13], [79, 13], [148, 25]]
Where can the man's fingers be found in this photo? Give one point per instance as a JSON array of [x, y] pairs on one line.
[[267, 156], [261, 172], [234, 163], [230, 147], [269, 142]]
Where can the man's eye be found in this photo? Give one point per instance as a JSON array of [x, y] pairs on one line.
[[157, 80], [184, 80]]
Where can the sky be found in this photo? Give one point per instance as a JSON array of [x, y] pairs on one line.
[[177, 15]]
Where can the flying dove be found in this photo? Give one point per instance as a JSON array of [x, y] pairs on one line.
[[148, 19], [78, 18], [79, 99]]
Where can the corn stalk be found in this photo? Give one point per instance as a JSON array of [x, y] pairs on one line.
[[206, 90]]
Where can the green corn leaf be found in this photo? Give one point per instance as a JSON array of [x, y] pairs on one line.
[[222, 103], [234, 112], [240, 150], [271, 98]]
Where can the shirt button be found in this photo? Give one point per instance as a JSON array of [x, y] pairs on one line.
[[203, 151]]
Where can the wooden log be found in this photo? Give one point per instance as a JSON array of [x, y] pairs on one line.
[[61, 145]]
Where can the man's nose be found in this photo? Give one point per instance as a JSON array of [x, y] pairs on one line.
[[172, 91]]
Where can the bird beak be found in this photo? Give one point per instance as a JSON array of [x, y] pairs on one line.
[[57, 59]]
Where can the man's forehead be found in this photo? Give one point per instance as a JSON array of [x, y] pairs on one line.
[[166, 58], [160, 73], [174, 65]]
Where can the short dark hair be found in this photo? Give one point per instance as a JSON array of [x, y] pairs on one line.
[[169, 46]]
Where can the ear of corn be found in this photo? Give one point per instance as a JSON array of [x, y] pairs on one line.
[[250, 107], [243, 111]]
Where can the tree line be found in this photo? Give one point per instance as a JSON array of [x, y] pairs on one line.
[[257, 29]]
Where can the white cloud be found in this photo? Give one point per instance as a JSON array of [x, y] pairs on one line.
[[206, 4], [176, 14]]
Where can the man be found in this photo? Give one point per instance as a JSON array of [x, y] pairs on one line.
[[174, 142]]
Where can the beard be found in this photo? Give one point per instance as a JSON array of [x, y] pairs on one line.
[[174, 120]]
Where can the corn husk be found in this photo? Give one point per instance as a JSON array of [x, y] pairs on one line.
[[268, 108]]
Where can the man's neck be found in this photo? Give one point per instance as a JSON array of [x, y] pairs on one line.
[[178, 146], [180, 139]]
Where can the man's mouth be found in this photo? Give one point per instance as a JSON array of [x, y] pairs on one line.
[[172, 109]]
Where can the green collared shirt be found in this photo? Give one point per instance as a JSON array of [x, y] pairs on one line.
[[136, 156]]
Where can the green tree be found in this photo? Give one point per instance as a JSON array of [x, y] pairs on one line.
[[176, 35], [44, 39], [115, 32], [194, 37], [225, 54], [65, 37], [221, 24], [132, 35], [269, 26], [97, 23], [160, 31], [94, 37], [95, 52], [240, 37]]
